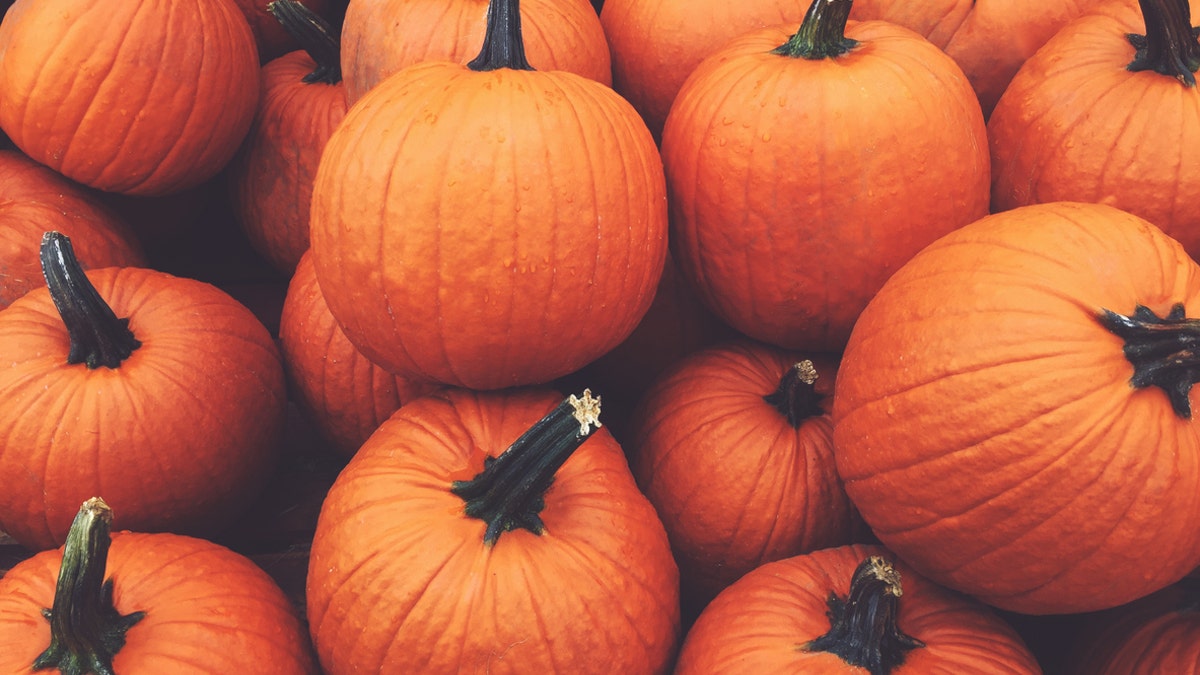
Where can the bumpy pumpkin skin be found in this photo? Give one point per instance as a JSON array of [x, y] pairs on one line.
[[985, 423], [344, 395], [756, 625], [989, 40], [179, 437], [1077, 125], [36, 200], [382, 37], [798, 186], [400, 580], [488, 229], [128, 96], [208, 610]]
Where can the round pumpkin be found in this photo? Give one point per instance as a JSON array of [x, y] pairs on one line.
[[806, 164], [491, 531], [1013, 412], [851, 609], [489, 225], [145, 603], [163, 392], [134, 97]]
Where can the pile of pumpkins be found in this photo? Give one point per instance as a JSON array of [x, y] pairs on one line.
[[655, 335]]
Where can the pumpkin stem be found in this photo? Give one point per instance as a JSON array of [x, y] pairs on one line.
[[315, 35], [864, 630], [796, 398], [86, 630], [1164, 351], [98, 337], [503, 45], [1170, 44], [509, 492], [822, 34]]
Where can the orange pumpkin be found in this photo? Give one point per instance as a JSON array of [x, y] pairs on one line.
[[491, 532], [164, 392], [801, 176], [152, 603], [1108, 112], [129, 96], [1013, 410]]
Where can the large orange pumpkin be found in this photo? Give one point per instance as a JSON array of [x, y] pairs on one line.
[[801, 176], [1013, 412], [489, 225]]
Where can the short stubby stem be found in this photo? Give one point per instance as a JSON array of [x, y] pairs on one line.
[[822, 34], [796, 398], [1164, 351], [315, 35], [1170, 45]]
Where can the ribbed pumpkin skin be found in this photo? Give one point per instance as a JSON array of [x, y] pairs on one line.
[[1077, 125], [797, 187], [36, 200], [382, 37], [134, 96], [734, 483], [272, 176], [179, 437], [986, 427], [656, 44], [756, 625], [344, 395], [989, 40], [488, 229], [208, 610], [400, 580]]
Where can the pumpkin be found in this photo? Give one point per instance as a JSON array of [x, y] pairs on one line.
[[36, 198], [491, 531], [734, 447], [851, 609], [989, 40], [273, 39], [145, 603], [489, 225], [656, 44], [1013, 411], [302, 102], [804, 166], [1107, 112], [345, 396], [382, 37], [165, 392], [128, 96]]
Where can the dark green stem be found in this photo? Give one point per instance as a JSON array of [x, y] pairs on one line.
[[863, 628], [822, 35], [1169, 46], [509, 492], [315, 35], [98, 337], [503, 46], [796, 398], [1164, 351], [86, 630]]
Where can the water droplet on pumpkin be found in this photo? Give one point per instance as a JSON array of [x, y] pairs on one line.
[[766, 137], [721, 142], [726, 121]]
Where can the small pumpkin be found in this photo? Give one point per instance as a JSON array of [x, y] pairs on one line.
[[491, 531], [851, 609], [1013, 413], [145, 603]]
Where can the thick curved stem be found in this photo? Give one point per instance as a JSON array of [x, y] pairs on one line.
[[796, 398], [503, 45], [1169, 46], [315, 35], [508, 493], [1164, 351], [98, 337], [822, 34]]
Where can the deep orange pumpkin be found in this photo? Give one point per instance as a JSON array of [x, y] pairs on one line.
[[128, 96], [992, 430], [171, 604], [430, 557], [36, 199], [1091, 118], [801, 176], [164, 392], [850, 610], [489, 225], [1156, 634]]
